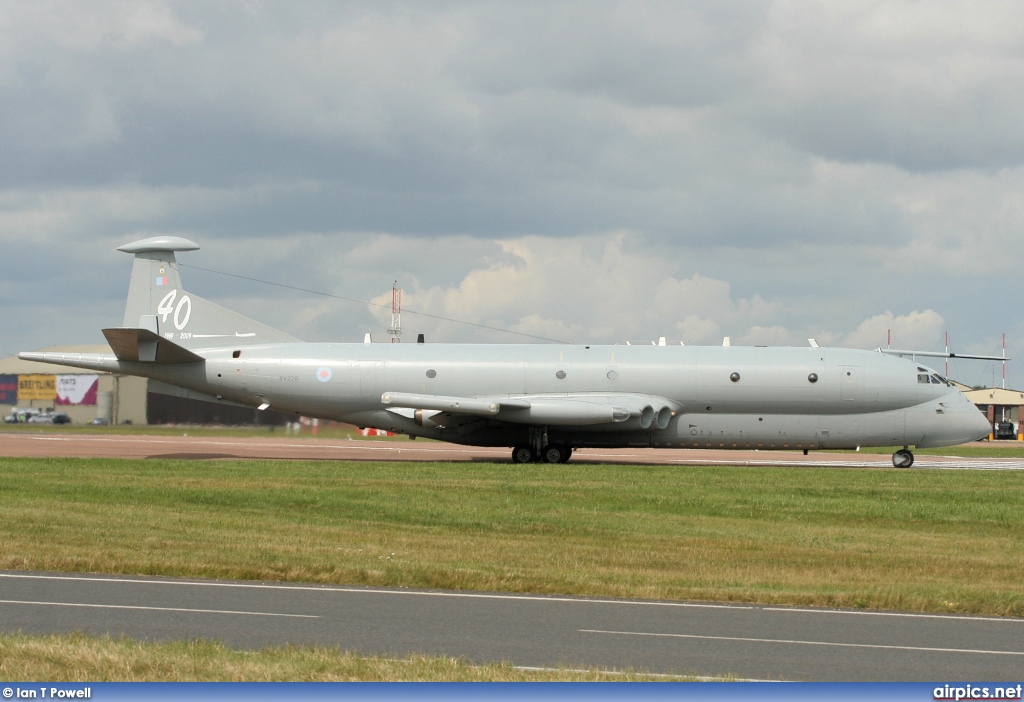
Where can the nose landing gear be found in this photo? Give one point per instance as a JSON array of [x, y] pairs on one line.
[[902, 459]]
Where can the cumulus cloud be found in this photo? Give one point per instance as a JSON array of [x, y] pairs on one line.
[[581, 289], [914, 330], [602, 289]]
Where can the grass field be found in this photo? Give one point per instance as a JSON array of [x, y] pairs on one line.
[[77, 657], [949, 541]]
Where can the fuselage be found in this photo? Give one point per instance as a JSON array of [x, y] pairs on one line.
[[728, 397]]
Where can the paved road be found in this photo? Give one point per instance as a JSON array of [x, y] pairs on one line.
[[751, 642], [303, 448]]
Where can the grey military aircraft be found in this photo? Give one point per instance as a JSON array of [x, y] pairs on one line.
[[542, 400]]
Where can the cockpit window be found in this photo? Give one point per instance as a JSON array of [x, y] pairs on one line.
[[927, 378]]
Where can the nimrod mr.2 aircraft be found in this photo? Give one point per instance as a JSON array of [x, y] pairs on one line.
[[543, 400]]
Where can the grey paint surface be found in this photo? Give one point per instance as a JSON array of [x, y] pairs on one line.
[[750, 642]]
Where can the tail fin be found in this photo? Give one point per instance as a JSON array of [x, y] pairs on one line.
[[157, 303]]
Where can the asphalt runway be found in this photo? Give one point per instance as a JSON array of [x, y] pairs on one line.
[[750, 642], [307, 448]]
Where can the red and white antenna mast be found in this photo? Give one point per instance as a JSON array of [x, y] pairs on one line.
[[1004, 360], [947, 353], [395, 330]]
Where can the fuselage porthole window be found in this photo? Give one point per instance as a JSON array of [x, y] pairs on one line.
[[431, 373]]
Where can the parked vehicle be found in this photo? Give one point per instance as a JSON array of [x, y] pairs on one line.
[[50, 418], [1005, 432], [20, 416]]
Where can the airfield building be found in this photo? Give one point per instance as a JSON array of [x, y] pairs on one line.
[[1002, 407]]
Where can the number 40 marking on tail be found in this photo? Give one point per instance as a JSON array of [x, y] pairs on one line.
[[182, 311]]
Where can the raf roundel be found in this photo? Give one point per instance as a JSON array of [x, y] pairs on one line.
[[323, 374]]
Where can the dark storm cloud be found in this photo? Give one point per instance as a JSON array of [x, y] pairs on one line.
[[683, 55], [513, 130]]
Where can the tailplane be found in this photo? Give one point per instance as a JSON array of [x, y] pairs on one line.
[[159, 305]]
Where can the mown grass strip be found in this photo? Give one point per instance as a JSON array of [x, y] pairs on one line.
[[79, 657], [946, 541]]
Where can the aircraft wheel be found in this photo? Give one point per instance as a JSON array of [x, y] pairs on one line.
[[555, 453], [523, 453], [902, 459]]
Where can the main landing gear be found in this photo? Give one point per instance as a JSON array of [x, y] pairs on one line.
[[552, 453], [902, 459], [539, 450], [523, 453], [555, 453]]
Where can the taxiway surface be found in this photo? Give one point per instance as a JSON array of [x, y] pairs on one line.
[[20, 443], [749, 642]]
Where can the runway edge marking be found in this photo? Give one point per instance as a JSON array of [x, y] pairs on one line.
[[371, 591], [159, 609], [920, 615], [804, 643], [528, 598]]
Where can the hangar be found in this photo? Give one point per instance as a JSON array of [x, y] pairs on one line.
[[1001, 406]]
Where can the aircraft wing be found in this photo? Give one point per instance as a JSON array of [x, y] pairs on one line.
[[560, 410]]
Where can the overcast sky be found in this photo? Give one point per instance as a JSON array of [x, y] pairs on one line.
[[768, 171]]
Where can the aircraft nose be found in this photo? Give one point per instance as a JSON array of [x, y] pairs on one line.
[[971, 423], [979, 423]]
